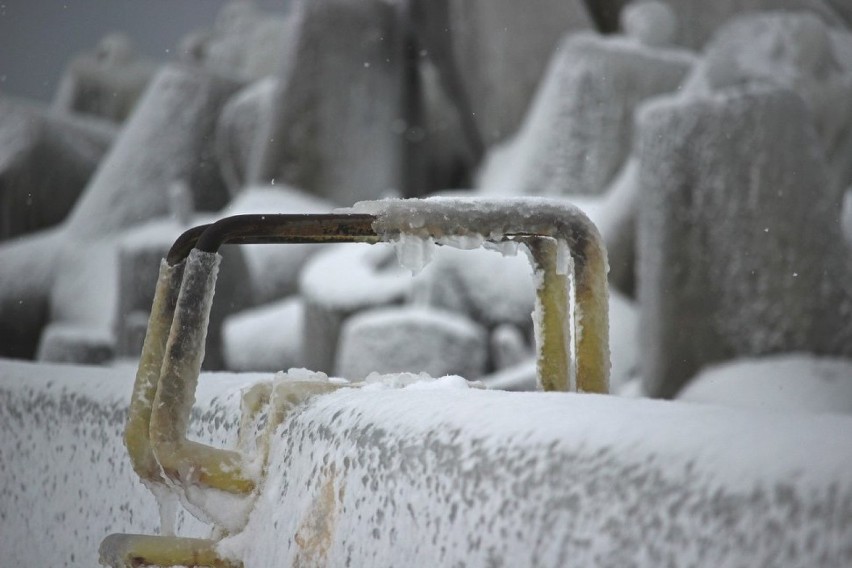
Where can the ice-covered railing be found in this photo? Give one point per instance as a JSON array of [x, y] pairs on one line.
[[569, 259], [570, 321]]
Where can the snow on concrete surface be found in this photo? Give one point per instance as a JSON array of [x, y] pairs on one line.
[[415, 339], [792, 382], [265, 338], [440, 477], [64, 471], [275, 269], [438, 473]]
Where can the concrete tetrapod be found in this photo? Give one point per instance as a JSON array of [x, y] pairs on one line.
[[570, 272]]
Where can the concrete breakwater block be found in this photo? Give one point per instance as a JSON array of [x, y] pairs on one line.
[[579, 129], [46, 160], [491, 54], [169, 138], [741, 251], [174, 124], [341, 84], [105, 82], [342, 281], [411, 339], [437, 473]]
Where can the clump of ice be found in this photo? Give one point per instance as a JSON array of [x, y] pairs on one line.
[[301, 375], [416, 381], [414, 253]]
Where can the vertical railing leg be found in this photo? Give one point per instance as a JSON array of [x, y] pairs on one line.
[[136, 434], [552, 321]]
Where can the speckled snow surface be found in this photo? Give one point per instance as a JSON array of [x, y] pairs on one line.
[[65, 477], [478, 478], [442, 476]]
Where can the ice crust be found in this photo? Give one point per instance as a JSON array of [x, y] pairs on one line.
[[473, 219]]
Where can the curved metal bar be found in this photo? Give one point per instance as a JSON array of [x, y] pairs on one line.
[[274, 229], [571, 323]]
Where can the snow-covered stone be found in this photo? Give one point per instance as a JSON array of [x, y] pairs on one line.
[[452, 476], [245, 43], [265, 338], [698, 20], [485, 286], [741, 251], [76, 343], [440, 473], [579, 129], [411, 339], [339, 282], [331, 129], [46, 159], [65, 468], [168, 139], [436, 153], [491, 54], [794, 51], [238, 131], [652, 23], [274, 269], [105, 82], [789, 383]]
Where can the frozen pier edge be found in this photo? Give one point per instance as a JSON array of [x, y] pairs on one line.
[[441, 476]]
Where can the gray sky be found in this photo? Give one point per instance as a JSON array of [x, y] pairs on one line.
[[38, 37]]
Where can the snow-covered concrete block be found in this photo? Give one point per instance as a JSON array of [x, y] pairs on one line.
[[46, 159], [491, 54], [698, 20], [265, 338], [238, 130], [342, 281], [245, 43], [79, 344], [741, 251], [485, 286], [65, 469], [794, 51], [340, 93], [453, 475], [168, 139], [437, 472], [105, 82], [789, 383], [274, 269], [413, 340], [579, 129]]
